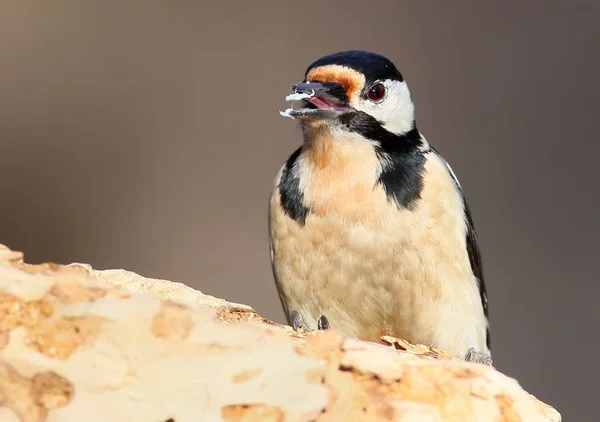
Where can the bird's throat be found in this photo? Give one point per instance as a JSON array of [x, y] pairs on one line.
[[329, 152], [337, 175]]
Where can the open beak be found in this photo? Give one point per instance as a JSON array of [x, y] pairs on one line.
[[322, 101]]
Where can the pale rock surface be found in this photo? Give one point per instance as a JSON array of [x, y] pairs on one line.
[[77, 344]]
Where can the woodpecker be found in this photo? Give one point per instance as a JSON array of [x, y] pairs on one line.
[[369, 231]]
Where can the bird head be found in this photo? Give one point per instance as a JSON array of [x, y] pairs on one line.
[[354, 91]]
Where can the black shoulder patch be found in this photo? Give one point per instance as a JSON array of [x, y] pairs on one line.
[[473, 252], [290, 195], [402, 177], [402, 168], [402, 161]]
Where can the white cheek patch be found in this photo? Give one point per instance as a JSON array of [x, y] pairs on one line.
[[396, 112]]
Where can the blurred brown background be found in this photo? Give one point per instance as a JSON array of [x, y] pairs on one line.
[[146, 136]]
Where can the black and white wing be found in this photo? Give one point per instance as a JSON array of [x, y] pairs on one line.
[[472, 248]]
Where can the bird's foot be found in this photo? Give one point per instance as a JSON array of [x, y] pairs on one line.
[[478, 357], [323, 323], [299, 325]]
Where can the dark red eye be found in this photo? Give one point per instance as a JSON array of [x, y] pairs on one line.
[[376, 92]]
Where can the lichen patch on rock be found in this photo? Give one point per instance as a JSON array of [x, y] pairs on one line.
[[173, 322], [73, 292], [59, 338], [31, 398], [16, 312]]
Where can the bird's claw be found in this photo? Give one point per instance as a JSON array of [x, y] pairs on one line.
[[478, 357], [323, 323], [299, 325]]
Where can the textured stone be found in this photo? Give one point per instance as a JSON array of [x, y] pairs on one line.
[[82, 344]]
